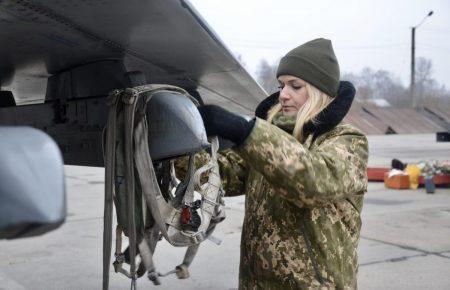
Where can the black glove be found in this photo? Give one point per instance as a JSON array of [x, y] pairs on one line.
[[220, 122], [264, 107]]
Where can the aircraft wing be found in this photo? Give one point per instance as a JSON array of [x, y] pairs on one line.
[[165, 39], [61, 58]]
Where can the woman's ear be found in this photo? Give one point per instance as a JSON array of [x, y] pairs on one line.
[[263, 108]]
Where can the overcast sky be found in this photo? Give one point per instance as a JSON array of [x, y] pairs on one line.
[[376, 34]]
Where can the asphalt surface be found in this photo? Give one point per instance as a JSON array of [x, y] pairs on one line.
[[405, 239]]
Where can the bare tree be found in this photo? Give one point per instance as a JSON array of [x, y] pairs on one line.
[[424, 83], [424, 69], [381, 84], [240, 59], [267, 76], [378, 84]]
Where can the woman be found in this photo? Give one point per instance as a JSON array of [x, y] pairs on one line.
[[303, 173]]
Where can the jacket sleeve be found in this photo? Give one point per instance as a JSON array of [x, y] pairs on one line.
[[233, 172], [334, 170]]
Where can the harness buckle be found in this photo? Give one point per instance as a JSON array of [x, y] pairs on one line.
[[112, 97], [129, 96], [120, 258]]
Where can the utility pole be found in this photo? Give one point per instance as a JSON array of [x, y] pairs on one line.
[[413, 66], [413, 60]]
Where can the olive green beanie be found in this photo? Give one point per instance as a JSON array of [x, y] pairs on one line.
[[315, 63]]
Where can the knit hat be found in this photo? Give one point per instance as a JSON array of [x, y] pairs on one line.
[[314, 62]]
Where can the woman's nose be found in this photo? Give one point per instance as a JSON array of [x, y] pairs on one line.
[[284, 94]]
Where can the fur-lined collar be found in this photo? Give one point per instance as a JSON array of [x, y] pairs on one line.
[[329, 118]]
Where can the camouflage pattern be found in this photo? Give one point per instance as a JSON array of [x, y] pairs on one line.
[[298, 195], [318, 186], [233, 172]]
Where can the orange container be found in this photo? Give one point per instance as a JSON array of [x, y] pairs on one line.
[[399, 181], [376, 173]]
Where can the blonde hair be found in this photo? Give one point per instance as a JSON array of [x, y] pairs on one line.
[[316, 102]]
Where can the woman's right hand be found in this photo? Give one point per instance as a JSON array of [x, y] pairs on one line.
[[223, 123]]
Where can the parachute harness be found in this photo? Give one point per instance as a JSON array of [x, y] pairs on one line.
[[176, 217]]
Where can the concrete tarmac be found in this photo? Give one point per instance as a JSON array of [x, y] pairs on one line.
[[405, 239]]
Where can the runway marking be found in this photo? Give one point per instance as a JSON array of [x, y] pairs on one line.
[[423, 253], [83, 219]]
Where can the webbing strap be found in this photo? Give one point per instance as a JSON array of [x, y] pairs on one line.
[[185, 190], [154, 198], [166, 217], [211, 189], [147, 259], [159, 208], [120, 257], [129, 109], [110, 150]]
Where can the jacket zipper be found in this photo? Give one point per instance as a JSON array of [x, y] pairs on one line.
[[310, 253]]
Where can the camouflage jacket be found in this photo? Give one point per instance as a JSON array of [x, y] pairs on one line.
[[302, 210], [303, 202]]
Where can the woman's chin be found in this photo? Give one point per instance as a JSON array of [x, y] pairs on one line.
[[289, 113]]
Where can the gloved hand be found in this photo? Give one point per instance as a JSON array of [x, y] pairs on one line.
[[220, 122]]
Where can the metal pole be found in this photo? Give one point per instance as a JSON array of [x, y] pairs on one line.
[[413, 60], [413, 63]]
